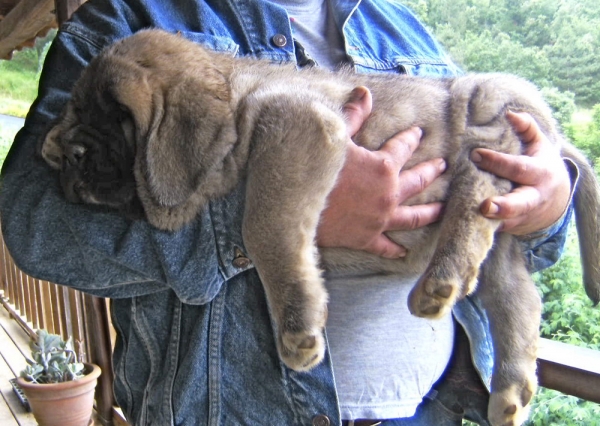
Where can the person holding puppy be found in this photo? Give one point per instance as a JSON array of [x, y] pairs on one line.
[[195, 343]]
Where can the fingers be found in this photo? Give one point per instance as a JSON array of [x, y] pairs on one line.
[[416, 179], [521, 169], [525, 126], [384, 247], [543, 183], [413, 217], [401, 146], [512, 207], [357, 109], [367, 199]]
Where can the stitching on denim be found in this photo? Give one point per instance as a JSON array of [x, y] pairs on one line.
[[143, 330], [122, 364], [215, 329], [82, 33], [173, 359]]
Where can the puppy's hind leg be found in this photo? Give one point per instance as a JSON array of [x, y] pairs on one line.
[[298, 150], [509, 296], [464, 241]]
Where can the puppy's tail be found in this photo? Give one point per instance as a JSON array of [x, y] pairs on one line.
[[587, 215]]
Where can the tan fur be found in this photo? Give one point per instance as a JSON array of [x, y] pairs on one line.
[[197, 122]]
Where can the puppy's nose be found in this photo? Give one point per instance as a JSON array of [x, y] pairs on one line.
[[74, 153]]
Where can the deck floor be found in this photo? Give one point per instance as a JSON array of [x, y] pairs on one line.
[[13, 346]]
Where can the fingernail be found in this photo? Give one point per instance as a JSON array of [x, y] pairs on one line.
[[402, 253], [492, 208], [475, 157], [442, 165], [359, 93]]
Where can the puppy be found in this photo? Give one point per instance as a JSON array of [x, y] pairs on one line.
[[160, 122]]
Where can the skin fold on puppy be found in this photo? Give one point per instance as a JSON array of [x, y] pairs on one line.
[[160, 126]]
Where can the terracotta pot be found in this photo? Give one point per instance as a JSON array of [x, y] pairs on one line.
[[63, 404]]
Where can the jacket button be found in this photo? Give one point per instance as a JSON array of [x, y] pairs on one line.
[[279, 40], [321, 420], [240, 260]]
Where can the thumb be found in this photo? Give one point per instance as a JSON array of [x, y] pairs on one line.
[[357, 109], [384, 247]]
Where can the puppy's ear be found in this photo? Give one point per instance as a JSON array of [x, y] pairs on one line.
[[51, 149], [187, 144], [132, 91]]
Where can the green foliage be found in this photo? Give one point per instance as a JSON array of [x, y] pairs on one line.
[[574, 49], [19, 77], [53, 360], [552, 408], [551, 42], [586, 135], [21, 85], [567, 314], [562, 104]]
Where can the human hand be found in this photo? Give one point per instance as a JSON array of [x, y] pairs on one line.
[[543, 181], [366, 201]]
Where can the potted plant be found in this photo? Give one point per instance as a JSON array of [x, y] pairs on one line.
[[60, 390]]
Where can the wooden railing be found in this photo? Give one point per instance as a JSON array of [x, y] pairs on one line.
[[36, 304]]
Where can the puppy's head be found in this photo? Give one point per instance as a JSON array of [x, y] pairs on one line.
[[148, 121], [93, 143]]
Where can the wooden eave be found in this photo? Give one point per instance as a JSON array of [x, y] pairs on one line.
[[22, 21]]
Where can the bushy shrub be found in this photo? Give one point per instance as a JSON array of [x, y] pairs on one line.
[[567, 316]]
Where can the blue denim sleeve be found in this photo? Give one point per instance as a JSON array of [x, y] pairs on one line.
[[543, 248], [80, 246]]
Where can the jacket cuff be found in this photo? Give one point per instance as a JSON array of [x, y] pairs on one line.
[[544, 247]]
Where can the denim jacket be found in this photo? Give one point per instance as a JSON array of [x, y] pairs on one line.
[[195, 343]]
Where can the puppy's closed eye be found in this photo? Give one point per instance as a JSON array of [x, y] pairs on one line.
[[128, 128]]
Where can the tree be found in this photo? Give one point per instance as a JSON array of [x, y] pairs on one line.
[[587, 137], [551, 42]]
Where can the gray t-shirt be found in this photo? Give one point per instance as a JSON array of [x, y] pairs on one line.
[[384, 359], [313, 26]]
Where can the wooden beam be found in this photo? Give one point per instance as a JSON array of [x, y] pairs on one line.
[[24, 22], [65, 8], [6, 6], [569, 369]]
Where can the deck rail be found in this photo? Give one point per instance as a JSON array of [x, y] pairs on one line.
[[36, 304]]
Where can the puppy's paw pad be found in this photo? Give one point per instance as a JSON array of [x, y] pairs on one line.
[[444, 291], [302, 351], [431, 298]]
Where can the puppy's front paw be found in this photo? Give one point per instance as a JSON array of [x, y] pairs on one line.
[[302, 351], [510, 407]]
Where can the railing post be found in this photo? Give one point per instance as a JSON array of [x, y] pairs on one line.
[[65, 8], [100, 350]]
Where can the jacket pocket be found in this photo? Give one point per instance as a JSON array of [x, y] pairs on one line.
[[216, 43]]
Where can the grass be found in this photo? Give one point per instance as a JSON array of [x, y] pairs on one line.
[[14, 107], [18, 89], [19, 78]]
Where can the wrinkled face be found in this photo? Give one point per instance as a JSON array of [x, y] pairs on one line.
[[94, 150]]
